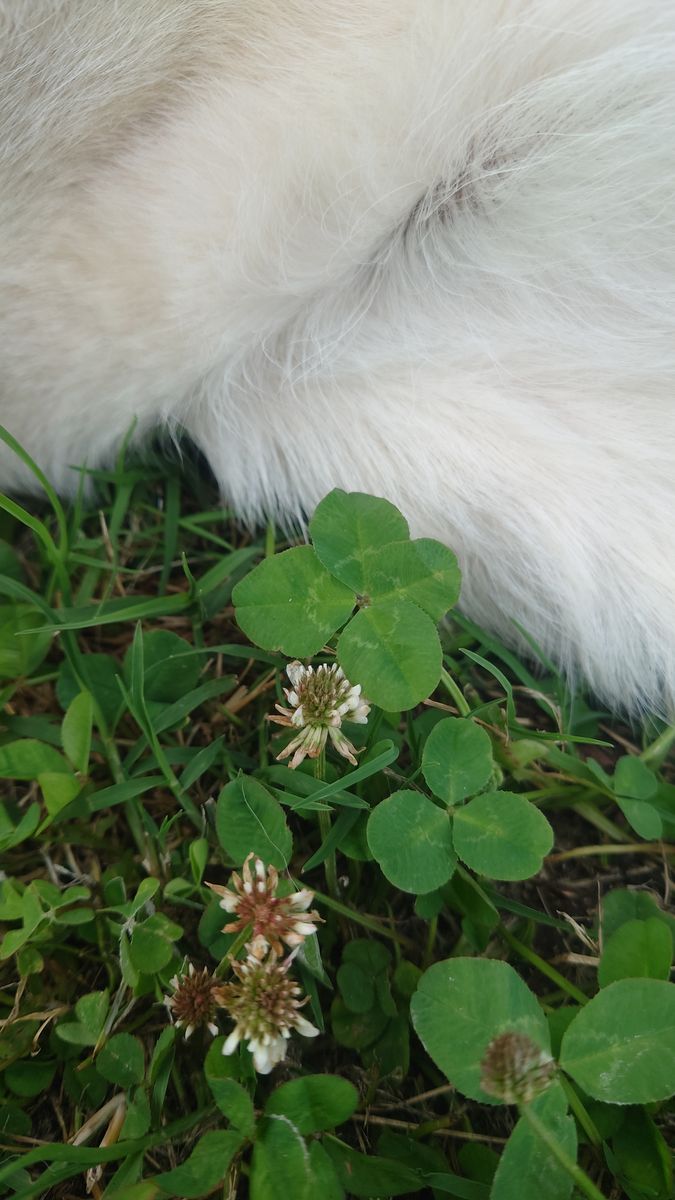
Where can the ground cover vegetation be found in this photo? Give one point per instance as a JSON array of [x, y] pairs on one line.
[[309, 885]]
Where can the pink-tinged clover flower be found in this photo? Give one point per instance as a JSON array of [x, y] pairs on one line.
[[252, 900]]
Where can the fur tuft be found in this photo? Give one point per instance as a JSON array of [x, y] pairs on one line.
[[421, 250]]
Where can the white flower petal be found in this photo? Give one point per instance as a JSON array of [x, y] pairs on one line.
[[303, 928], [305, 1027], [266, 1057], [232, 1041], [296, 672]]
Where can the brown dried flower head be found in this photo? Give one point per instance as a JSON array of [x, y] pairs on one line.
[[265, 1004], [516, 1070], [252, 900], [195, 1000]]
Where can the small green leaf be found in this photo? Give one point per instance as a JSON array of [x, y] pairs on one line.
[[356, 1030], [138, 1119], [90, 1011], [457, 759], [390, 1054], [121, 1060], [326, 1183], [289, 602], [151, 946], [634, 784], [621, 1046], [206, 1166], [394, 652], [135, 1191], [232, 1099], [424, 572], [634, 779], [12, 835], [643, 817], [170, 667], [29, 1077], [623, 904], [348, 529], [314, 1102], [99, 672], [637, 949], [76, 731], [368, 1175], [502, 835], [643, 1160], [411, 839], [248, 818], [21, 648], [199, 856], [280, 1166], [58, 790], [27, 758], [461, 1005], [356, 986], [527, 1167]]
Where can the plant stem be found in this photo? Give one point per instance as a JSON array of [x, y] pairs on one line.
[[240, 941], [655, 754], [577, 1173], [367, 922], [455, 692], [324, 828], [431, 941], [580, 1112], [542, 966]]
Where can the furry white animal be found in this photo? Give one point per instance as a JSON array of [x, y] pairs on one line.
[[422, 248]]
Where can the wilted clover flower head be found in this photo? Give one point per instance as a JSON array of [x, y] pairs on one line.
[[273, 919], [195, 1000], [265, 1005], [515, 1069], [319, 699]]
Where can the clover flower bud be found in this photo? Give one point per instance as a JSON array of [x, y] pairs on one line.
[[194, 1001], [516, 1070]]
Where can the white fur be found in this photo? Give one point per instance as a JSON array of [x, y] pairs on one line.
[[423, 248]]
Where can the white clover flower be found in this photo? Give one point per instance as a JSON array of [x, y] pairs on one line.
[[319, 698], [265, 1006], [252, 899]]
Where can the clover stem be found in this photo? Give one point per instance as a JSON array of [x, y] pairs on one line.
[[454, 690], [325, 827], [366, 921]]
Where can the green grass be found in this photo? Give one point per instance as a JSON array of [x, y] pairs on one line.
[[124, 795]]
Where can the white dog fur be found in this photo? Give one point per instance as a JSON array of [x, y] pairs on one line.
[[421, 248]]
